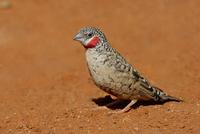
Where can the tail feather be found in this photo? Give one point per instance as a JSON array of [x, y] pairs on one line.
[[154, 93], [170, 98], [159, 95]]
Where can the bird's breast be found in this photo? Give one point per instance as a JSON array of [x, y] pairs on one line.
[[99, 70], [104, 70], [105, 74]]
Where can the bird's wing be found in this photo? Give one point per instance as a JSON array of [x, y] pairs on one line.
[[142, 84], [152, 92]]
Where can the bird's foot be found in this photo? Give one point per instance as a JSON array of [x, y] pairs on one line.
[[124, 110]]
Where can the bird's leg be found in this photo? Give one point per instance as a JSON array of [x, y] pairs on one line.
[[127, 108]]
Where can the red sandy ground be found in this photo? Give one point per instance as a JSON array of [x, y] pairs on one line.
[[45, 86]]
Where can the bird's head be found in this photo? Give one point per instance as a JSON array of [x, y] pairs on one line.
[[90, 37]]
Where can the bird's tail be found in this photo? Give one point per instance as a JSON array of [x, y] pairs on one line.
[[161, 96]]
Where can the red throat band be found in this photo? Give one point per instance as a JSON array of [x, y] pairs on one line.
[[92, 43]]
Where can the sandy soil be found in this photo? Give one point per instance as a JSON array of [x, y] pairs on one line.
[[45, 87]]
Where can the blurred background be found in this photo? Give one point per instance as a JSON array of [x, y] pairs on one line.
[[44, 82]]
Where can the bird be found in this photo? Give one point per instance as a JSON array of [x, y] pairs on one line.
[[112, 73]]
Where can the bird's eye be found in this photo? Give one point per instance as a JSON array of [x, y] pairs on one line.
[[90, 34]]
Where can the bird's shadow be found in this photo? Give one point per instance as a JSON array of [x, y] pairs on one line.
[[103, 101]]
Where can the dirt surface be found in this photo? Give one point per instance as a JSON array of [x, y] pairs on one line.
[[45, 86]]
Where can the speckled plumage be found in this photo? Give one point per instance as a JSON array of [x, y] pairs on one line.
[[113, 74]]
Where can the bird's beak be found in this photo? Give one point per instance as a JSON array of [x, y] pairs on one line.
[[78, 37]]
